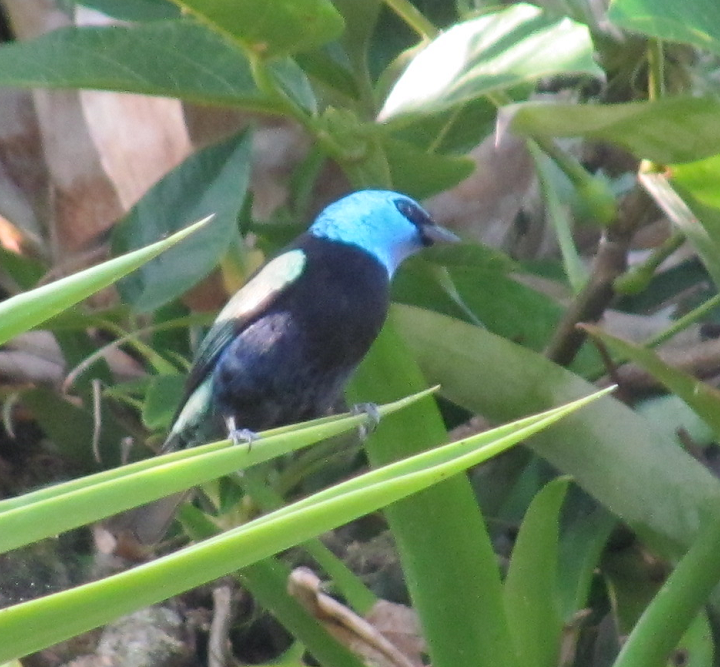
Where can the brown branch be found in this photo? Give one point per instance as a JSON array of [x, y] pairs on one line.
[[610, 262]]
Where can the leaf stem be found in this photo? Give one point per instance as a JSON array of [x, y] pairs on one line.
[[414, 18], [684, 322]]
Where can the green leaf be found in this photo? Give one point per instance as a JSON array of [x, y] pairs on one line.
[[699, 221], [171, 58], [360, 149], [614, 454], [27, 310], [360, 19], [422, 174], [56, 617], [291, 80], [559, 215], [493, 52], [679, 601], [703, 398], [270, 27], [696, 22], [161, 400], [211, 181], [459, 605], [679, 129], [697, 643], [699, 185], [72, 429], [530, 589], [586, 527], [53, 510], [134, 10]]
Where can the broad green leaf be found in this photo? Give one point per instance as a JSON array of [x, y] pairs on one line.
[[171, 58], [27, 310], [488, 293], [320, 66], [696, 22], [291, 80], [493, 52], [62, 615], [679, 129], [421, 174], [270, 27], [211, 181], [614, 454], [134, 10], [456, 131], [530, 588]]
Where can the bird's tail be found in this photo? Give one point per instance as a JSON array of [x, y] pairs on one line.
[[147, 524]]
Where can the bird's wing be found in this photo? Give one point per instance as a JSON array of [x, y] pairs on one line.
[[254, 297]]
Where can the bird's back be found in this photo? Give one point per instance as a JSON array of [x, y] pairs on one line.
[[291, 361]]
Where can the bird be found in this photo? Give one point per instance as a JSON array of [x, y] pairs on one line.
[[283, 348]]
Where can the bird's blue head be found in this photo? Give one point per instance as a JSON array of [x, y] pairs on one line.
[[385, 224]]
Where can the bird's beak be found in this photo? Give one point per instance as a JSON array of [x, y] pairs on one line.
[[433, 234]]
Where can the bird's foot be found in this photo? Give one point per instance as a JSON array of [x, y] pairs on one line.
[[240, 436], [372, 417]]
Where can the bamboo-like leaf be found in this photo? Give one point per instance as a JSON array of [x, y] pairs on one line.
[[59, 508], [27, 310], [62, 615]]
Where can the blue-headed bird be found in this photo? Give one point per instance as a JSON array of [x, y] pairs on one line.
[[284, 346]]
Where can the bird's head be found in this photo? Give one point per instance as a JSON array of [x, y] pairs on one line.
[[387, 225]]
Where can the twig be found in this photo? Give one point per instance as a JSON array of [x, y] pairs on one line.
[[610, 262], [219, 654]]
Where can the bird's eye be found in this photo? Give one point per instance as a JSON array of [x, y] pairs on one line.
[[417, 216]]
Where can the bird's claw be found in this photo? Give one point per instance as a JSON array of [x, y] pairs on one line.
[[372, 417], [240, 436]]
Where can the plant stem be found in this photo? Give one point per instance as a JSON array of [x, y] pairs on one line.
[[684, 322], [681, 597], [656, 70], [414, 18], [609, 263]]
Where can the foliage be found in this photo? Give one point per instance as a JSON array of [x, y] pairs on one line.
[[403, 112]]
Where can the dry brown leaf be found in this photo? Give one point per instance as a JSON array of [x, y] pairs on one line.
[[388, 637]]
